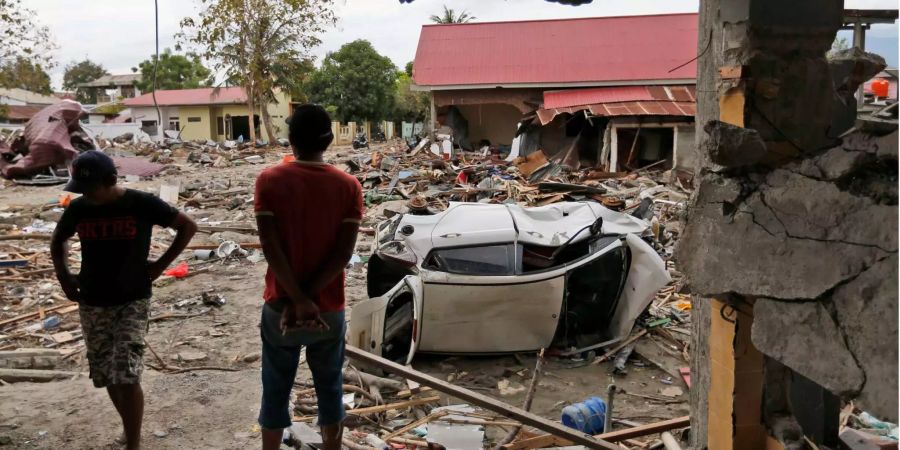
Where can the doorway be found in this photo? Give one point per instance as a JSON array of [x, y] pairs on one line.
[[240, 126], [640, 147]]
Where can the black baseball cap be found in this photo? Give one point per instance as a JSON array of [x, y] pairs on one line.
[[88, 170], [309, 127]]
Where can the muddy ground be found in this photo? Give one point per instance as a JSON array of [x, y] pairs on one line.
[[217, 409]]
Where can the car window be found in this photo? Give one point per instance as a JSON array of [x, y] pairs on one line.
[[483, 260]]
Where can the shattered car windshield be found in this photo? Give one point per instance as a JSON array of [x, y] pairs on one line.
[[486, 260]]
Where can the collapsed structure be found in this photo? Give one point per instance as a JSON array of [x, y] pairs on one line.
[[792, 234], [611, 92]]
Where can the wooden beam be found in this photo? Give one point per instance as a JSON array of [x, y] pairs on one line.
[[613, 436], [35, 314], [381, 408], [527, 418]]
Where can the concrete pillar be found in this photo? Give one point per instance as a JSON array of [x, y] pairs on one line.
[[432, 115], [859, 41], [762, 75]]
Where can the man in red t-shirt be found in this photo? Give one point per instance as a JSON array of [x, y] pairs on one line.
[[308, 214]]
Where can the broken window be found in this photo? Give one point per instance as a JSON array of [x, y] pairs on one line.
[[149, 127], [398, 328], [640, 147], [592, 294], [536, 258], [174, 124], [220, 126], [194, 119], [485, 260]]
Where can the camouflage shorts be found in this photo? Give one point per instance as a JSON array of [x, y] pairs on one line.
[[114, 336]]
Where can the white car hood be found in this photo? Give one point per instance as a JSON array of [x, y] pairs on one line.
[[465, 224]]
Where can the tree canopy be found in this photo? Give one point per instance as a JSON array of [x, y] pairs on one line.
[[261, 45], [22, 36], [173, 72], [23, 73], [82, 72], [409, 104], [356, 81], [450, 16]]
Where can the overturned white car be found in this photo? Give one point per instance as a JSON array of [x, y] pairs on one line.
[[486, 278]]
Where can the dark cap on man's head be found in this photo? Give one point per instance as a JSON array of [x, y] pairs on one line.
[[309, 128], [90, 169]]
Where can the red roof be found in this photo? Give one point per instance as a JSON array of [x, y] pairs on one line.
[[621, 101], [599, 50], [188, 97], [22, 112]]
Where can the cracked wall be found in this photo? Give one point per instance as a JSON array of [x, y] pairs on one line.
[[791, 212]]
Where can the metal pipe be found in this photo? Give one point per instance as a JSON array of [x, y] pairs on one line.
[[669, 441]]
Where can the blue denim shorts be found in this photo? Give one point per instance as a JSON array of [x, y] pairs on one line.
[[280, 357]]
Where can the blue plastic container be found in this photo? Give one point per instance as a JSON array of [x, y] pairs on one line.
[[587, 416]]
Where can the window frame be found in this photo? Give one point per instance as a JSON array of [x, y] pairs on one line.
[[512, 259]]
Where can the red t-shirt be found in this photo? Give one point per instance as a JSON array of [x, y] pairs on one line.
[[309, 202]]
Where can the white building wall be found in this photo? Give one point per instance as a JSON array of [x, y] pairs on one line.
[[4, 100]]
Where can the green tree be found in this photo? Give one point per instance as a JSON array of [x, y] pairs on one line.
[[357, 81], [82, 72], [408, 68], [409, 104], [173, 72], [450, 16], [22, 36], [261, 45], [25, 74]]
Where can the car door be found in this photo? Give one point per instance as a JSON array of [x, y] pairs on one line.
[[467, 308], [388, 326]]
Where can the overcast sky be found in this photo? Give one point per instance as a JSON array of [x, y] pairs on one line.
[[120, 34]]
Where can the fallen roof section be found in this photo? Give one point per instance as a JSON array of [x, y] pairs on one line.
[[621, 101]]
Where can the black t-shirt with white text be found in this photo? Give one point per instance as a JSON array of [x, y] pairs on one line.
[[115, 245]]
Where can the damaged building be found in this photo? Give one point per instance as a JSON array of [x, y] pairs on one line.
[[523, 87], [790, 244]]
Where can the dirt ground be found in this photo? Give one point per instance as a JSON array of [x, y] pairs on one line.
[[217, 409]]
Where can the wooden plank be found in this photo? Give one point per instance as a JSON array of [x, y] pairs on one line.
[[23, 236], [620, 347], [32, 315], [382, 408], [414, 424], [613, 436], [481, 400]]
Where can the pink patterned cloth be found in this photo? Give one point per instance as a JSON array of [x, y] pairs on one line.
[[47, 139]]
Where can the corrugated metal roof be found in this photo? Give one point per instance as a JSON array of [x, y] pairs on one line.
[[22, 112], [188, 97], [621, 101], [572, 51]]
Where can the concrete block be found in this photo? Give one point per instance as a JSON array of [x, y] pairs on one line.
[[733, 146], [793, 332], [867, 315]]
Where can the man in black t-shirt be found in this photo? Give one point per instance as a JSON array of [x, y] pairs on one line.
[[113, 288]]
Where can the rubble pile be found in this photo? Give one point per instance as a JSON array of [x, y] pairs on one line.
[[40, 335]]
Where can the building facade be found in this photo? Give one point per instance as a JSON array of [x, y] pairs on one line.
[[216, 114]]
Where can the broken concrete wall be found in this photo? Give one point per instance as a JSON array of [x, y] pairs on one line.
[[685, 153], [789, 214], [493, 121]]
